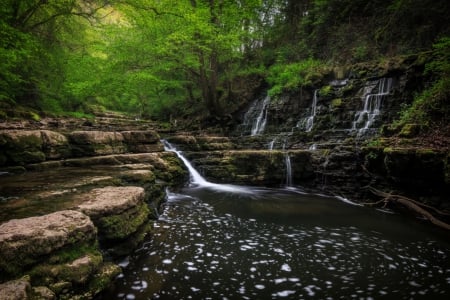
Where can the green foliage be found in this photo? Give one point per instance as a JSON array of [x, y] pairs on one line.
[[160, 59], [292, 76], [431, 105]]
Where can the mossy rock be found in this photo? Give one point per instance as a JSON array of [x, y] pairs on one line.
[[103, 278], [116, 249], [75, 271], [121, 226]]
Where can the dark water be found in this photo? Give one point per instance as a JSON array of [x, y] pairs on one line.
[[282, 244]]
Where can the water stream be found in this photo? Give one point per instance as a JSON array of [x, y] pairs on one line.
[[256, 117], [228, 242], [371, 103]]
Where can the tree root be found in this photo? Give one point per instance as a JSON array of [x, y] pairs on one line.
[[411, 204]]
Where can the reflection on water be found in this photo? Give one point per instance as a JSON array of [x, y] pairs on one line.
[[279, 244]]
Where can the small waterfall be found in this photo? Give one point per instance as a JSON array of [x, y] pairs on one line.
[[313, 147], [195, 177], [271, 144], [256, 116], [308, 122], [371, 104], [197, 180], [287, 160]]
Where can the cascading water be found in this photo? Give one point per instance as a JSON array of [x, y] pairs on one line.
[[287, 159], [308, 122], [197, 180], [256, 116], [371, 104]]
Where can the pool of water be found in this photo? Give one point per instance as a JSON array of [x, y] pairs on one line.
[[283, 244]]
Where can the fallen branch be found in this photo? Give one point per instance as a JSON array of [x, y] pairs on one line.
[[411, 204]]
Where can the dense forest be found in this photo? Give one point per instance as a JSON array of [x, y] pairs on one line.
[[202, 58]]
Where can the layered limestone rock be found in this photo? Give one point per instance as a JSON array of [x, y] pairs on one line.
[[25, 147], [202, 143], [142, 141], [89, 143], [25, 242], [20, 147], [120, 214], [59, 255]]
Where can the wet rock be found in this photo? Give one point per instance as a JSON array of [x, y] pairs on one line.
[[25, 242]]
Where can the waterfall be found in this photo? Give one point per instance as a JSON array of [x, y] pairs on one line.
[[197, 180], [371, 103], [287, 160], [271, 144], [308, 122], [195, 177], [256, 116], [313, 147]]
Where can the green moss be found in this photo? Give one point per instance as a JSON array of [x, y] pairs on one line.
[[326, 91], [55, 268], [336, 103], [72, 253], [103, 278], [121, 226], [411, 130]]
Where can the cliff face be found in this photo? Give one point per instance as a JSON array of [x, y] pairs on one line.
[[356, 100]]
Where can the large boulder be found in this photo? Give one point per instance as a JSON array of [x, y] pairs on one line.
[[26, 242]]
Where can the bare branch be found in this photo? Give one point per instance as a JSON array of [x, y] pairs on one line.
[[411, 204]]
